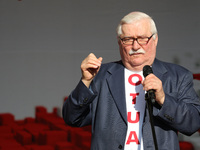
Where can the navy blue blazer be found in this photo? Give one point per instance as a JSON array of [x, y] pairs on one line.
[[103, 106]]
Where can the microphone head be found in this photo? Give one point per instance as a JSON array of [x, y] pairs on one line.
[[147, 70]]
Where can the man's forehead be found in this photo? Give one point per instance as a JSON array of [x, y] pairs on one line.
[[136, 30]]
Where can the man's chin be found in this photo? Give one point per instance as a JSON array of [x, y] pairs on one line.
[[136, 62]]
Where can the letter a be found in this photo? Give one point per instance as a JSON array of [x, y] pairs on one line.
[[132, 138]]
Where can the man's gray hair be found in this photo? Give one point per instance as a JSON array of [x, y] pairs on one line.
[[133, 17]]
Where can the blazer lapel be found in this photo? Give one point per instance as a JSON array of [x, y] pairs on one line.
[[158, 69], [117, 88]]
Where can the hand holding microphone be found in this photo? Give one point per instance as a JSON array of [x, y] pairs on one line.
[[153, 86]]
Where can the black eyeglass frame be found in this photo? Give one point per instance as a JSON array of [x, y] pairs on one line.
[[136, 39]]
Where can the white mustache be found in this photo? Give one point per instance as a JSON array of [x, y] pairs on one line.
[[141, 51]]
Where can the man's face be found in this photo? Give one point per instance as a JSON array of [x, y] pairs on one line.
[[137, 61]]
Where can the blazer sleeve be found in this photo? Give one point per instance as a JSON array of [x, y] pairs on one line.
[[181, 109], [76, 109]]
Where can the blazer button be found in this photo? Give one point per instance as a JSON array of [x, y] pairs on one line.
[[120, 146], [85, 100]]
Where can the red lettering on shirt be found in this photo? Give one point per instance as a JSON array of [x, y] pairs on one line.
[[134, 97], [137, 118], [133, 115], [131, 81], [132, 138]]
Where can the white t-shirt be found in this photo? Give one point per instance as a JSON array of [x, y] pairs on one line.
[[135, 106]]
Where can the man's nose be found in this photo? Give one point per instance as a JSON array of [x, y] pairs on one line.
[[135, 45]]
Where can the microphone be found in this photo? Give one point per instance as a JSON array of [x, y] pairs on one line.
[[150, 93]]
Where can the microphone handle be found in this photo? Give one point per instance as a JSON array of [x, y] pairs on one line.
[[151, 95]]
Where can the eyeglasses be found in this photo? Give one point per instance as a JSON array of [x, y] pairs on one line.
[[140, 40]]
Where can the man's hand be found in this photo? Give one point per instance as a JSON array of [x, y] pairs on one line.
[[152, 82], [89, 68]]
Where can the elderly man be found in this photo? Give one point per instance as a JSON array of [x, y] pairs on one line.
[[111, 97]]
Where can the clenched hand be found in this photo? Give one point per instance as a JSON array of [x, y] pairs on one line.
[[89, 68]]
